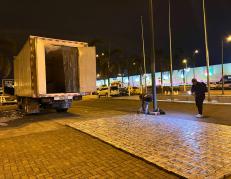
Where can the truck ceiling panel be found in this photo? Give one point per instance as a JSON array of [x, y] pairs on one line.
[[61, 42]]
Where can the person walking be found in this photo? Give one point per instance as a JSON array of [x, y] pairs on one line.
[[198, 90]]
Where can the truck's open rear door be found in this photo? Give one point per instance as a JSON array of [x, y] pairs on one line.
[[87, 69]]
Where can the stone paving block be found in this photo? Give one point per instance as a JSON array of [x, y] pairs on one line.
[[188, 148], [63, 152]]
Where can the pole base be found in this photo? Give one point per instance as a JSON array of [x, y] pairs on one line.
[[155, 113], [158, 112]]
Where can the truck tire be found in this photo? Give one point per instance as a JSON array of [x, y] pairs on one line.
[[30, 106], [19, 102], [61, 110]]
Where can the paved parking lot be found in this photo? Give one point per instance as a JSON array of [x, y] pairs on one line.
[[189, 148], [41, 146], [67, 153]]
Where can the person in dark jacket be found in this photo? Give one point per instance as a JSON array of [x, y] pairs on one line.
[[199, 89], [145, 99]]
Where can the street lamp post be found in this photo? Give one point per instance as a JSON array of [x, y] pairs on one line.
[[108, 67], [222, 65], [144, 56], [228, 39], [170, 49], [185, 61], [194, 62], [155, 107], [207, 50]]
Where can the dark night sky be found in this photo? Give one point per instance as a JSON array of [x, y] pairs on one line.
[[118, 21]]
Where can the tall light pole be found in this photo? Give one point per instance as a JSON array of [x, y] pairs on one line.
[[222, 65], [144, 56], [228, 39], [170, 48], [185, 61], [155, 107], [108, 67], [207, 50], [194, 62]]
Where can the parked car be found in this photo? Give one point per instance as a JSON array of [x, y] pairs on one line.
[[227, 82], [227, 85], [103, 91], [114, 91], [136, 91], [213, 85], [123, 91]]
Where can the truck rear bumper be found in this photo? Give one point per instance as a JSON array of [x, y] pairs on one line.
[[62, 104], [62, 96]]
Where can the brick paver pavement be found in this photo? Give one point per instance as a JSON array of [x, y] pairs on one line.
[[21, 137], [189, 148], [56, 151]]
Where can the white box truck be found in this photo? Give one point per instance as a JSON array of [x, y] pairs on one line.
[[50, 73]]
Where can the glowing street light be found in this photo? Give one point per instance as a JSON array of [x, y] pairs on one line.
[[228, 39], [103, 54], [97, 56], [196, 51], [185, 61]]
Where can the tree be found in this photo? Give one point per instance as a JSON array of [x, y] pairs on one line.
[[8, 49], [179, 55]]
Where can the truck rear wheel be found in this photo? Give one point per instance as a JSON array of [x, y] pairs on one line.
[[62, 110]]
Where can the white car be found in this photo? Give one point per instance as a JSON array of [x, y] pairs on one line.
[[227, 82], [227, 85], [213, 85], [114, 91]]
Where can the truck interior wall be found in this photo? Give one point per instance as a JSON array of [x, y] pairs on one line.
[[55, 81], [61, 69], [70, 62]]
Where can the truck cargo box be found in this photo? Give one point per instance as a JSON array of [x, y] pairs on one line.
[[51, 67]]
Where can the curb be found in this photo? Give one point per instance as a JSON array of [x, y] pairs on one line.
[[8, 107], [177, 101]]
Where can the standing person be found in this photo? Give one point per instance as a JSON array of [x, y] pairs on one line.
[[199, 89]]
